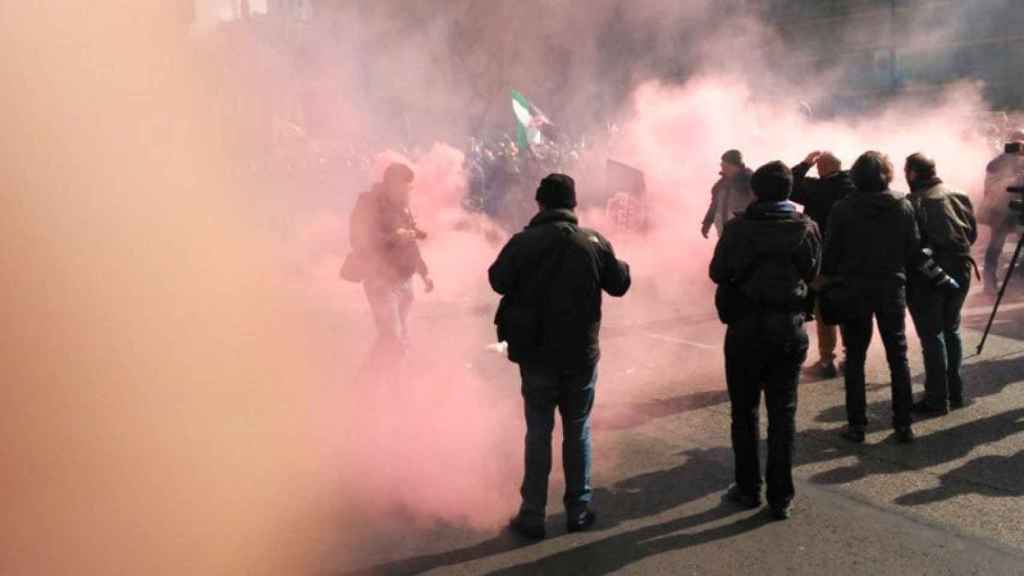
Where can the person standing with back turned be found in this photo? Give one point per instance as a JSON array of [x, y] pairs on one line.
[[551, 276]]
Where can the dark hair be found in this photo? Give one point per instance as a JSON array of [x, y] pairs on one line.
[[922, 165], [557, 191], [398, 172], [872, 172], [772, 182]]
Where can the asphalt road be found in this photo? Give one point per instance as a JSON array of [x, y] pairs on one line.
[[951, 503]]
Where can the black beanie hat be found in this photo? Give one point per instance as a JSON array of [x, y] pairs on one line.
[[734, 157], [772, 182], [557, 191]]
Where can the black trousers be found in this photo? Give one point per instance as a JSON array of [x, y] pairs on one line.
[[764, 352], [886, 303]]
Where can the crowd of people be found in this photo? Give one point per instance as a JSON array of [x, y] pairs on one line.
[[857, 254]]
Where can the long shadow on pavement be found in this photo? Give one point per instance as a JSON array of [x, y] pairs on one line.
[[996, 476], [620, 550], [703, 472], [930, 450]]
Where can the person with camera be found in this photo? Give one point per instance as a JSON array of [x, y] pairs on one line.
[[1004, 171], [763, 264], [385, 256], [818, 196], [551, 276], [871, 242], [937, 289]]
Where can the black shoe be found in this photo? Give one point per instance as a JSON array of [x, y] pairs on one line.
[[923, 408], [745, 499], [958, 403], [827, 369], [581, 522], [853, 434], [530, 530], [781, 511], [903, 434]]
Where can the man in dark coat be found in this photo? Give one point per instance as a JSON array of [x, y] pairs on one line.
[[764, 261], [551, 276], [871, 242], [818, 196], [384, 236], [730, 195], [946, 221]]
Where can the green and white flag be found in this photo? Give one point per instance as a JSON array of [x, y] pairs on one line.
[[529, 119]]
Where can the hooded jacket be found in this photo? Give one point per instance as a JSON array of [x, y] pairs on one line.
[[557, 271], [770, 253], [871, 236], [819, 195]]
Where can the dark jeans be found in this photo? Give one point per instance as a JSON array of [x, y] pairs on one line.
[[572, 393], [884, 301], [936, 314], [765, 351], [994, 252]]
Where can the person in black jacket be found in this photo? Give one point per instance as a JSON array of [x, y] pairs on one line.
[[551, 276], [817, 196], [871, 242], [764, 262], [948, 228]]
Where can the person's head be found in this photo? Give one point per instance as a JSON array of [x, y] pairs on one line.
[[1016, 135], [556, 191], [872, 172], [732, 163], [828, 164], [772, 182], [919, 167], [397, 183]]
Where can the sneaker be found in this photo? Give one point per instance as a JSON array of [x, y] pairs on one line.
[[781, 511], [529, 530], [581, 522], [903, 434], [925, 409], [745, 499], [853, 434]]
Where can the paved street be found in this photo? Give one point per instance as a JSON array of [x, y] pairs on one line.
[[948, 504]]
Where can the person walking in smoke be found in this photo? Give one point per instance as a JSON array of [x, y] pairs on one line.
[[871, 242], [936, 293], [385, 256], [730, 195], [1005, 170], [817, 196], [763, 264], [551, 276]]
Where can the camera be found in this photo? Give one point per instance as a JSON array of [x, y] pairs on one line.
[[934, 273]]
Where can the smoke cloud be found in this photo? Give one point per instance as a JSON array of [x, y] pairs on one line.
[[181, 356]]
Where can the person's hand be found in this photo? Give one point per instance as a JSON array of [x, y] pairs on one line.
[[704, 229], [428, 284], [812, 157]]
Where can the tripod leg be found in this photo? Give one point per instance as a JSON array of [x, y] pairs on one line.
[[1002, 290]]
